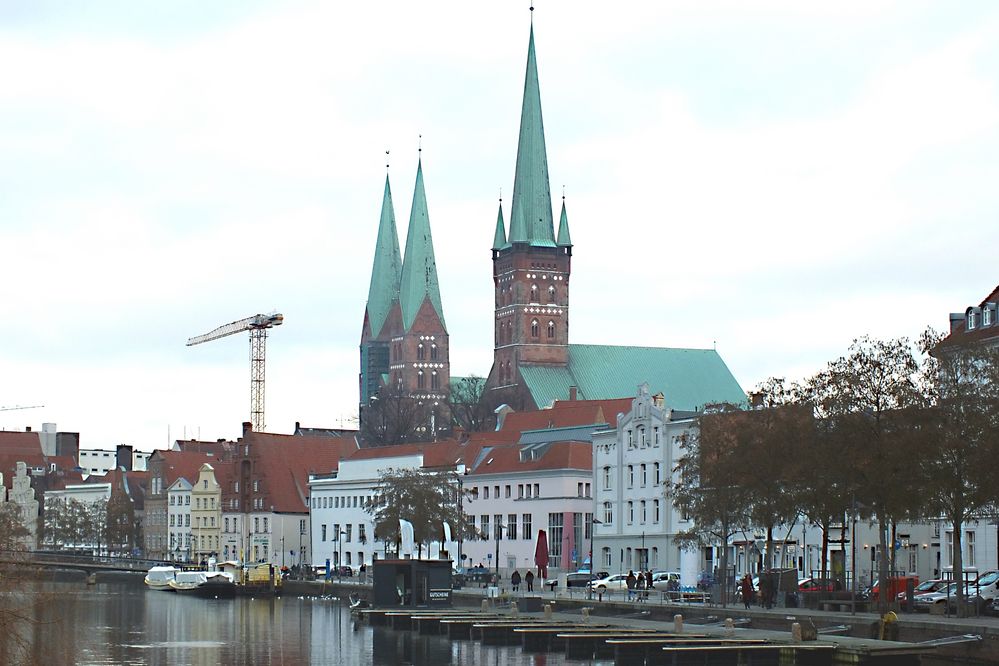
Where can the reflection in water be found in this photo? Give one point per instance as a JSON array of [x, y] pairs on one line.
[[123, 623]]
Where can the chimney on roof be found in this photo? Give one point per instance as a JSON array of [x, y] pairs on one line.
[[27, 429], [123, 457], [956, 319], [247, 427], [572, 393]]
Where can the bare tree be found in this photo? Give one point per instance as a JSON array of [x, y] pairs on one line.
[[470, 410], [394, 417]]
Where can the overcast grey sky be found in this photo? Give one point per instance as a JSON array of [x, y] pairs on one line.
[[778, 177]]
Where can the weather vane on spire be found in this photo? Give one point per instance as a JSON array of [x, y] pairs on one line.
[[386, 160], [419, 145]]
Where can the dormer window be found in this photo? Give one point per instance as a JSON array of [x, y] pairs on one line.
[[972, 320], [987, 316]]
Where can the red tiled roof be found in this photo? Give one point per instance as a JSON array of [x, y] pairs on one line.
[[962, 334], [287, 461], [23, 443], [184, 464], [559, 455], [567, 414]]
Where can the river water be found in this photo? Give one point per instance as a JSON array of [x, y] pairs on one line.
[[123, 623]]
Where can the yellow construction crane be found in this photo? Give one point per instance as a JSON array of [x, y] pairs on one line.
[[257, 325], [10, 409]]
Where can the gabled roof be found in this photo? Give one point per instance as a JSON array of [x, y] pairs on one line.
[[287, 461], [386, 269], [531, 215], [177, 464], [419, 267], [443, 453], [689, 378], [569, 413]]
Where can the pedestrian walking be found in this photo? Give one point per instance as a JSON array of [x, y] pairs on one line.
[[631, 581], [515, 581], [529, 579]]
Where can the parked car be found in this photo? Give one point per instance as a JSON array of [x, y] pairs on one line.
[[981, 593], [575, 579], [615, 582], [817, 585], [478, 574], [666, 580], [924, 602], [925, 587]]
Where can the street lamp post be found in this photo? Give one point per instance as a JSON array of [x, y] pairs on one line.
[[589, 586], [339, 559], [282, 553]]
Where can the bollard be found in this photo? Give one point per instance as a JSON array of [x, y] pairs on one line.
[[586, 614], [796, 632], [729, 627], [678, 623], [548, 612], [485, 604], [514, 611]]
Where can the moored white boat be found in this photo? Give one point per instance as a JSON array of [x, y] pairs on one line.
[[204, 583], [159, 578]]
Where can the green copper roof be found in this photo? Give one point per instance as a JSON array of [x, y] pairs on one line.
[[419, 268], [563, 229], [499, 240], [689, 378], [531, 216], [387, 267]]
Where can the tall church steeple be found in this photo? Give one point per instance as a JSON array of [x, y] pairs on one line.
[[419, 268], [530, 267], [382, 307]]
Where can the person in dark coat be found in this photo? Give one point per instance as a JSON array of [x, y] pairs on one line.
[[529, 579], [648, 580], [631, 581], [515, 581], [747, 590]]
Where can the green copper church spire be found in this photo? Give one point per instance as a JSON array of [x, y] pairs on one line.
[[386, 270], [419, 268], [499, 240], [564, 240], [531, 215]]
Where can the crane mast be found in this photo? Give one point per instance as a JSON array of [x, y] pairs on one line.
[[257, 325]]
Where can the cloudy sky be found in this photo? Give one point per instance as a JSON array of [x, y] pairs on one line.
[[774, 177]]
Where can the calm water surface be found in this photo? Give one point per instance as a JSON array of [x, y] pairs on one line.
[[123, 623]]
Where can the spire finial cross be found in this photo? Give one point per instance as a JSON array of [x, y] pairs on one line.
[[386, 161], [419, 145]]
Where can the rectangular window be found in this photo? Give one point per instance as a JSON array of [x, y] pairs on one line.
[[655, 510], [265, 525], [588, 533], [256, 524], [608, 513], [631, 476], [496, 492], [555, 538], [537, 490], [361, 536], [187, 520], [498, 527], [526, 520], [579, 490], [484, 526], [324, 534], [172, 498], [485, 492], [187, 500], [588, 490], [969, 545], [656, 473], [520, 491], [631, 440], [643, 515], [507, 492], [511, 526], [171, 520], [655, 436], [349, 528], [607, 478], [644, 475], [631, 512]]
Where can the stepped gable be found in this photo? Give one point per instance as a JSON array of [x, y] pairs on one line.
[[284, 463]]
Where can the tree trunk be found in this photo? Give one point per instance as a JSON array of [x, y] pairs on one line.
[[883, 567], [770, 548], [957, 556], [824, 557], [723, 577]]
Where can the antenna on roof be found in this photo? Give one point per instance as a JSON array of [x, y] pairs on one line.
[[563, 193]]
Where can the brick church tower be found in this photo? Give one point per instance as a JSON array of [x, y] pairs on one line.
[[531, 265], [404, 339]]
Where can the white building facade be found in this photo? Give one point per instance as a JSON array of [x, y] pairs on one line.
[[179, 520]]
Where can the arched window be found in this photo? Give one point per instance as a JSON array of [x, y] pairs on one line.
[[420, 379], [434, 380], [534, 328], [420, 351], [551, 330], [398, 383], [433, 351], [534, 293], [608, 513], [551, 294], [509, 373]]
